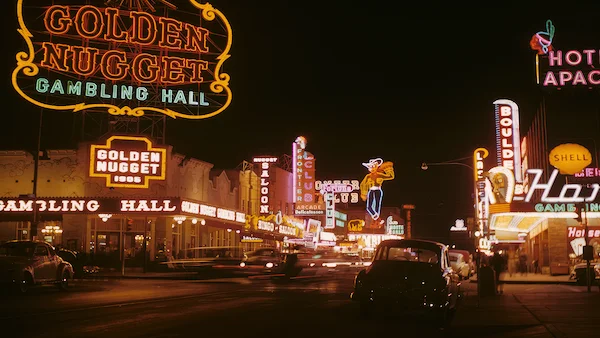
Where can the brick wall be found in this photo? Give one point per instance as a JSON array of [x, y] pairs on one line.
[[557, 241]]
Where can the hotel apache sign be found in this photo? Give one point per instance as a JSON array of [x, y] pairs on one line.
[[126, 61], [128, 162], [561, 68]]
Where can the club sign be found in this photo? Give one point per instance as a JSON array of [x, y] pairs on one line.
[[128, 162], [123, 60]]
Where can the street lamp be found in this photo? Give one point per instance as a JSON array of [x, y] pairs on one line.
[[425, 166]]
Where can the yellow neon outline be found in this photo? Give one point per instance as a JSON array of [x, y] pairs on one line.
[[221, 80], [109, 184], [483, 156]]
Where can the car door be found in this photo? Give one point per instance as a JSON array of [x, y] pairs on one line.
[[41, 266], [452, 276], [53, 263]]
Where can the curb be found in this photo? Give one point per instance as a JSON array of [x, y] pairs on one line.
[[571, 282]]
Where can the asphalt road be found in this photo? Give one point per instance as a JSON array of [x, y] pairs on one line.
[[302, 308]]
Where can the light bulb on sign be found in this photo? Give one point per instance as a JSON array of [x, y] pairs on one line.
[[194, 221], [228, 230], [237, 231], [203, 222]]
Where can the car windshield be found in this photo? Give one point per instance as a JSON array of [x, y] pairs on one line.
[[453, 258], [20, 249], [407, 254]]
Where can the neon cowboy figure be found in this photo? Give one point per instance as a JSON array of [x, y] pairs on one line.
[[370, 187]]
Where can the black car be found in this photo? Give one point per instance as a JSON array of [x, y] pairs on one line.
[[410, 277]]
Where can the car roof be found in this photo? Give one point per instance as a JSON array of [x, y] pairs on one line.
[[419, 243]]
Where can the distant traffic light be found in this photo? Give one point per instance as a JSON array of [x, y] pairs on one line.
[[129, 224]]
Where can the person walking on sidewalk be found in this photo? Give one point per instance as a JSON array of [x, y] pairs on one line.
[[497, 263]]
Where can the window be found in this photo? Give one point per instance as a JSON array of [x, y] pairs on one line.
[[40, 250], [407, 254]]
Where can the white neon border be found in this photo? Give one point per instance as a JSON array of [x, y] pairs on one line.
[[511, 184], [516, 135]]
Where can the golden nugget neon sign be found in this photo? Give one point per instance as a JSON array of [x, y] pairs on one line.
[[95, 56], [128, 162]]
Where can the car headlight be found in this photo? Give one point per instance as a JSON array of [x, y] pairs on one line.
[[242, 264], [269, 265]]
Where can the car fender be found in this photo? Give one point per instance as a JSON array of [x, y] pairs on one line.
[[61, 268], [28, 270]]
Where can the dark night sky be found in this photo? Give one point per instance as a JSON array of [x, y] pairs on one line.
[[359, 79]]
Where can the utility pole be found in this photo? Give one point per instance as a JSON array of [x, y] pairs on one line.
[[36, 162]]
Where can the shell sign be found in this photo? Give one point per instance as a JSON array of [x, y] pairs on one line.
[[570, 158]]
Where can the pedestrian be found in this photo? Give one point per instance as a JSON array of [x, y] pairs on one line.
[[497, 262], [535, 266]]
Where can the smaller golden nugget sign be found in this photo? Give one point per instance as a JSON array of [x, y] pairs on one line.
[[128, 162], [570, 158]]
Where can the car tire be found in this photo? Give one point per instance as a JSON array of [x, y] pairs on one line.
[[25, 284], [63, 283]]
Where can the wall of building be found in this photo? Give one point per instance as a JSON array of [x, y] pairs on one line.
[[282, 191]]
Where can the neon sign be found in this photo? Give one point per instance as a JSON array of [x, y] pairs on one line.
[[564, 68], [329, 210], [542, 41], [500, 187], [459, 225], [570, 158], [265, 178], [90, 205], [128, 162], [212, 211], [588, 173], [347, 191], [162, 65], [356, 225], [481, 200], [569, 193], [508, 139], [304, 180], [370, 187]]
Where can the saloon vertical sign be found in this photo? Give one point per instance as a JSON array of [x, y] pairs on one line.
[[124, 57], [265, 181], [304, 180]]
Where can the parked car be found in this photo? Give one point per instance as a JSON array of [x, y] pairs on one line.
[[580, 269], [411, 277], [459, 264], [24, 264]]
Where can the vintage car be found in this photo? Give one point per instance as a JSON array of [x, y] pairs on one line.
[[459, 264], [263, 260], [409, 277], [27, 263]]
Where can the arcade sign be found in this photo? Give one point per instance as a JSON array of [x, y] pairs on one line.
[[128, 162], [124, 60]]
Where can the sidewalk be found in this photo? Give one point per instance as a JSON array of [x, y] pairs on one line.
[[532, 278]]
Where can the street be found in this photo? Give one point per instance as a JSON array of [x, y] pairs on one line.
[[258, 307]]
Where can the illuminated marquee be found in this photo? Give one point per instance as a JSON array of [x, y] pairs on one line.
[[90, 205], [82, 57], [128, 162], [508, 139], [265, 165], [304, 180], [346, 191], [371, 190], [195, 208]]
